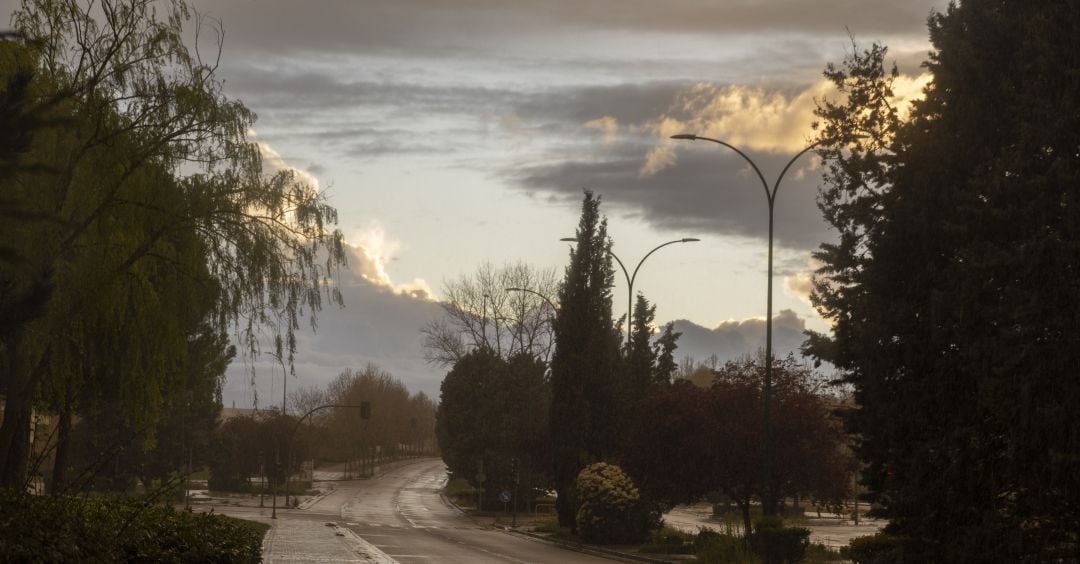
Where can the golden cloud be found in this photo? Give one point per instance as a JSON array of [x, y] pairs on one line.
[[751, 118], [607, 125]]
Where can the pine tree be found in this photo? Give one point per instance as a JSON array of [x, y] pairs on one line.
[[585, 361], [953, 288]]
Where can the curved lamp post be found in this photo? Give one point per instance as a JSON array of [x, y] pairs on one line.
[[535, 293], [768, 503], [631, 277], [292, 433]]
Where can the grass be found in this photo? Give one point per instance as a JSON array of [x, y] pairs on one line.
[[551, 527]]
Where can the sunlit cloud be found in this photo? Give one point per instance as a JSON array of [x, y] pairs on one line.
[[273, 162], [606, 125], [907, 89], [371, 251], [752, 117]]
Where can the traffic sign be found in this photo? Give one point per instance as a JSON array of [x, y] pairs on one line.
[[504, 496]]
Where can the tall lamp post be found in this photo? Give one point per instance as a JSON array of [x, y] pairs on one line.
[[768, 503], [631, 277], [364, 408]]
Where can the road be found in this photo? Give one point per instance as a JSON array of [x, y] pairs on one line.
[[396, 517]]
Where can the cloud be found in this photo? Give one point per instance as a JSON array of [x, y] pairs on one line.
[[368, 260], [380, 323], [273, 162], [606, 125], [736, 338], [438, 28], [748, 117], [709, 192], [377, 325], [798, 273]]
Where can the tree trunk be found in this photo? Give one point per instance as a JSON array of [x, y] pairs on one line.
[[63, 442], [744, 506], [14, 441], [15, 429]]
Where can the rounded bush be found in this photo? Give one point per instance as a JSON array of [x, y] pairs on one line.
[[610, 509]]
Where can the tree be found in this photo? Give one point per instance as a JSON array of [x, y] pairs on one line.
[[688, 441], [481, 312], [397, 419], [493, 412], [647, 367], [585, 363], [137, 152], [952, 289]]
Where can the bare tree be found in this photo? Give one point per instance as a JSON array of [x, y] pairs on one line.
[[482, 311]]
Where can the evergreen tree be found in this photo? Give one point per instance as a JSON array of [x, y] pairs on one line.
[[640, 358], [953, 289], [584, 407], [665, 366]]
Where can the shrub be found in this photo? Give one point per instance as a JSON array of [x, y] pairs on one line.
[[716, 548], [777, 544], [56, 529], [610, 507], [873, 549], [669, 541], [817, 553]]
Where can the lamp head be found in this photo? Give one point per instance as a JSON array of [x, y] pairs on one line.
[[569, 239], [689, 136], [689, 240]]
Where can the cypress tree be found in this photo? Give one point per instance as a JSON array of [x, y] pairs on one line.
[[583, 367]]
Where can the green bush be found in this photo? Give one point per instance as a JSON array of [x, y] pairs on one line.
[[777, 544], [873, 549], [715, 548], [817, 553], [56, 529], [610, 507], [669, 541]]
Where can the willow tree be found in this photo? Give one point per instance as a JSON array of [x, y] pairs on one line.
[[137, 147]]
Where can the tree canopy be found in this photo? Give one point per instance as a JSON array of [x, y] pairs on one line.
[[953, 288], [134, 185]]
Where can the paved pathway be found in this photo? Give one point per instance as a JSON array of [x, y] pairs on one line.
[[398, 517]]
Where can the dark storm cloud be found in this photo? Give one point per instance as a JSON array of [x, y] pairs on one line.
[[316, 91], [704, 192], [445, 28]]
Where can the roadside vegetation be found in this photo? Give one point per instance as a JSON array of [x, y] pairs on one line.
[[93, 529]]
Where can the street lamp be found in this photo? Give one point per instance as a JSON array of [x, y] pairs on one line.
[[768, 502], [631, 277], [365, 409], [535, 293]]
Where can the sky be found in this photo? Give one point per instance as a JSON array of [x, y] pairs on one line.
[[452, 132]]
